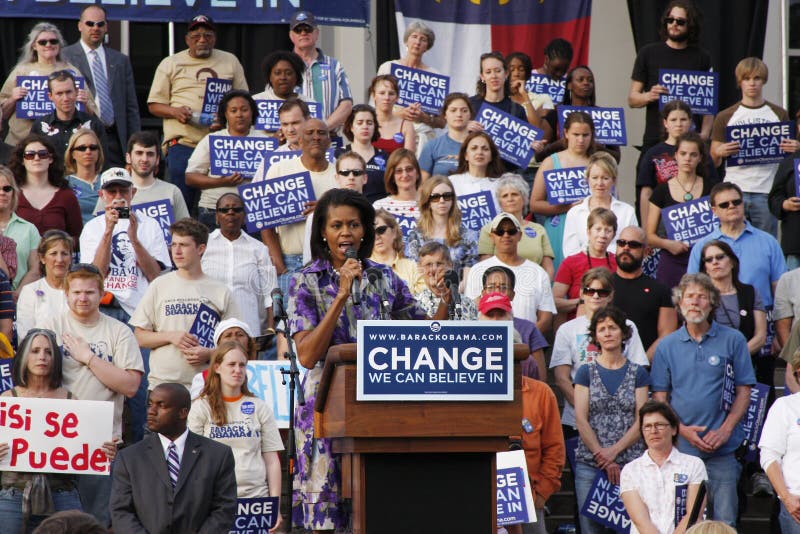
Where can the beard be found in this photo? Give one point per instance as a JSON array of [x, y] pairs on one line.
[[695, 318], [681, 37], [629, 263]]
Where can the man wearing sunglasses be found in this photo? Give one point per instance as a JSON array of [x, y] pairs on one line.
[[109, 76]]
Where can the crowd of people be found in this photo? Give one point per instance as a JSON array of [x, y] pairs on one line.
[[657, 342]]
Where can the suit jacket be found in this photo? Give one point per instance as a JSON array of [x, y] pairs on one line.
[[121, 87], [204, 499]]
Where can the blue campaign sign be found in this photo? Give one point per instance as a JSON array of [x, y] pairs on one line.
[[753, 419], [681, 496], [699, 89], [406, 224], [276, 201], [267, 118], [230, 154], [511, 505], [541, 84], [512, 136], [161, 212], [758, 143], [271, 158], [797, 177], [728, 387], [215, 90], [5, 376], [477, 209], [435, 361], [264, 380], [255, 515], [604, 506], [36, 102], [203, 326], [689, 221], [421, 87], [609, 123], [565, 186]]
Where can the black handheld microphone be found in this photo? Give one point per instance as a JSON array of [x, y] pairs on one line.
[[451, 281], [355, 288], [375, 278]]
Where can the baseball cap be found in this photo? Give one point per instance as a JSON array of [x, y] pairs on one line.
[[500, 217], [115, 176], [303, 17], [494, 301], [230, 323], [202, 20]]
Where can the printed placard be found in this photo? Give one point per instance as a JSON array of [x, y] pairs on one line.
[[728, 387], [566, 186], [797, 177], [406, 224], [267, 118], [435, 361], [609, 123], [758, 143], [37, 103], [512, 136], [264, 380], [276, 201], [541, 84], [204, 324], [420, 86], [6, 380], [689, 221], [477, 209], [271, 158], [255, 515], [681, 496], [161, 212], [604, 506], [514, 496], [215, 90], [56, 435], [699, 89], [753, 420], [230, 154]]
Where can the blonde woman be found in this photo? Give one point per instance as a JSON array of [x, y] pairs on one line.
[[83, 161], [388, 250]]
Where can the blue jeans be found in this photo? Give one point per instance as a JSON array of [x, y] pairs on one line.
[[584, 476], [756, 209], [11, 509], [177, 160], [208, 217], [787, 522], [723, 476], [95, 491], [293, 263]]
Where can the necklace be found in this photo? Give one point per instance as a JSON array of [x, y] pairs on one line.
[[687, 193]]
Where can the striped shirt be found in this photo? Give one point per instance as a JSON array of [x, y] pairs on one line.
[[325, 81]]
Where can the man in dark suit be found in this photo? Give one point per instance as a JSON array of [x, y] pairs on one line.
[[110, 78], [173, 480]]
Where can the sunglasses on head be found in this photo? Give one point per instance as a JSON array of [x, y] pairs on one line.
[[31, 154], [633, 245], [436, 197], [354, 172], [84, 148], [715, 257], [234, 209], [502, 231], [45, 42], [673, 20], [92, 24], [728, 203], [380, 230], [594, 291], [78, 267]]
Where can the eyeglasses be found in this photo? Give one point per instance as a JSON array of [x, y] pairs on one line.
[[594, 291], [655, 427], [447, 197], [503, 231], [633, 245], [678, 22], [60, 75], [716, 257], [491, 288], [84, 148], [380, 230], [235, 209], [45, 42], [31, 154], [354, 172], [78, 267], [7, 189], [303, 29], [92, 24], [728, 203]]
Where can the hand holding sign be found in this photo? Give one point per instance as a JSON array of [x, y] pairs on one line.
[[197, 355], [183, 340], [655, 93]]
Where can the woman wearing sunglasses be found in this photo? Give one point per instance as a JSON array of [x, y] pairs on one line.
[[22, 232], [361, 128], [83, 162], [388, 250]]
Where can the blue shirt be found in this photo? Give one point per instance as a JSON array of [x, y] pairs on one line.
[[440, 156], [760, 256], [692, 374]]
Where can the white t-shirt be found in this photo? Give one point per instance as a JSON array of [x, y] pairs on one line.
[[37, 301], [575, 234], [159, 190], [780, 440], [466, 184]]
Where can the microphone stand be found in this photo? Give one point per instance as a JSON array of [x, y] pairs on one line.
[[293, 373]]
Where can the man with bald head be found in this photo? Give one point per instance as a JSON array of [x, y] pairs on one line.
[[645, 301], [285, 243]]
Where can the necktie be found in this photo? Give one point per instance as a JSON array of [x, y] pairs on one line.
[[101, 86], [173, 464]]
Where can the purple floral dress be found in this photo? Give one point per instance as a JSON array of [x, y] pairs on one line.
[[316, 501]]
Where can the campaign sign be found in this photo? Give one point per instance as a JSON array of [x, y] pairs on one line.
[[609, 123], [758, 143], [203, 326], [512, 136], [797, 177], [699, 89], [541, 84], [728, 387], [753, 419], [271, 158], [604, 506], [477, 209], [435, 361], [514, 496], [689, 221], [36, 102], [55, 435], [161, 212], [215, 90], [406, 224], [565, 186], [6, 382], [681, 496], [267, 118], [265, 381], [276, 201], [230, 154], [255, 516], [421, 87]]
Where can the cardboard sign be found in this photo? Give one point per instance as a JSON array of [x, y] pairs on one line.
[[255, 516], [435, 360], [204, 324], [512, 136], [477, 210], [276, 201], [238, 154], [420, 86], [406, 224], [566, 186], [55, 435], [609, 123], [37, 103], [514, 496], [6, 380], [541, 84], [215, 90], [268, 119], [758, 143], [699, 89], [604, 506], [753, 420], [689, 221]]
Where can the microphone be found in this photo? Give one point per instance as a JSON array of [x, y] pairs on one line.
[[278, 311], [355, 288], [375, 278], [451, 281]]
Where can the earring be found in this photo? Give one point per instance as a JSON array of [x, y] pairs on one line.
[[362, 239]]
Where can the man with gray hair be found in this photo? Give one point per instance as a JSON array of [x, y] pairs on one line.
[[704, 371]]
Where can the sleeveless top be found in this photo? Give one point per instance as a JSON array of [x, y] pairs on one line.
[[390, 144]]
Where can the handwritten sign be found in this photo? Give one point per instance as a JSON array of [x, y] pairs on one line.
[[758, 143], [36, 102], [604, 506], [204, 324], [565, 186], [421, 87], [689, 221], [477, 209], [215, 90], [699, 89], [238, 154], [55, 435], [276, 201], [753, 420], [514, 496], [255, 516], [541, 84], [265, 381], [6, 380], [609, 123], [268, 118], [512, 136]]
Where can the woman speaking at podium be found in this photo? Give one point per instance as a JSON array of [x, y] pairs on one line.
[[326, 300]]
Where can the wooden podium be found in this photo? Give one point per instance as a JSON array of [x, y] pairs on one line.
[[415, 466]]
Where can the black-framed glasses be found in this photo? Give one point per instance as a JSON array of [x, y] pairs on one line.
[[633, 245], [728, 203], [500, 232], [380, 230], [676, 21], [31, 154], [447, 197], [7, 189], [84, 148], [596, 291], [79, 267], [92, 24], [354, 172], [45, 42], [303, 29], [715, 257], [234, 209]]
